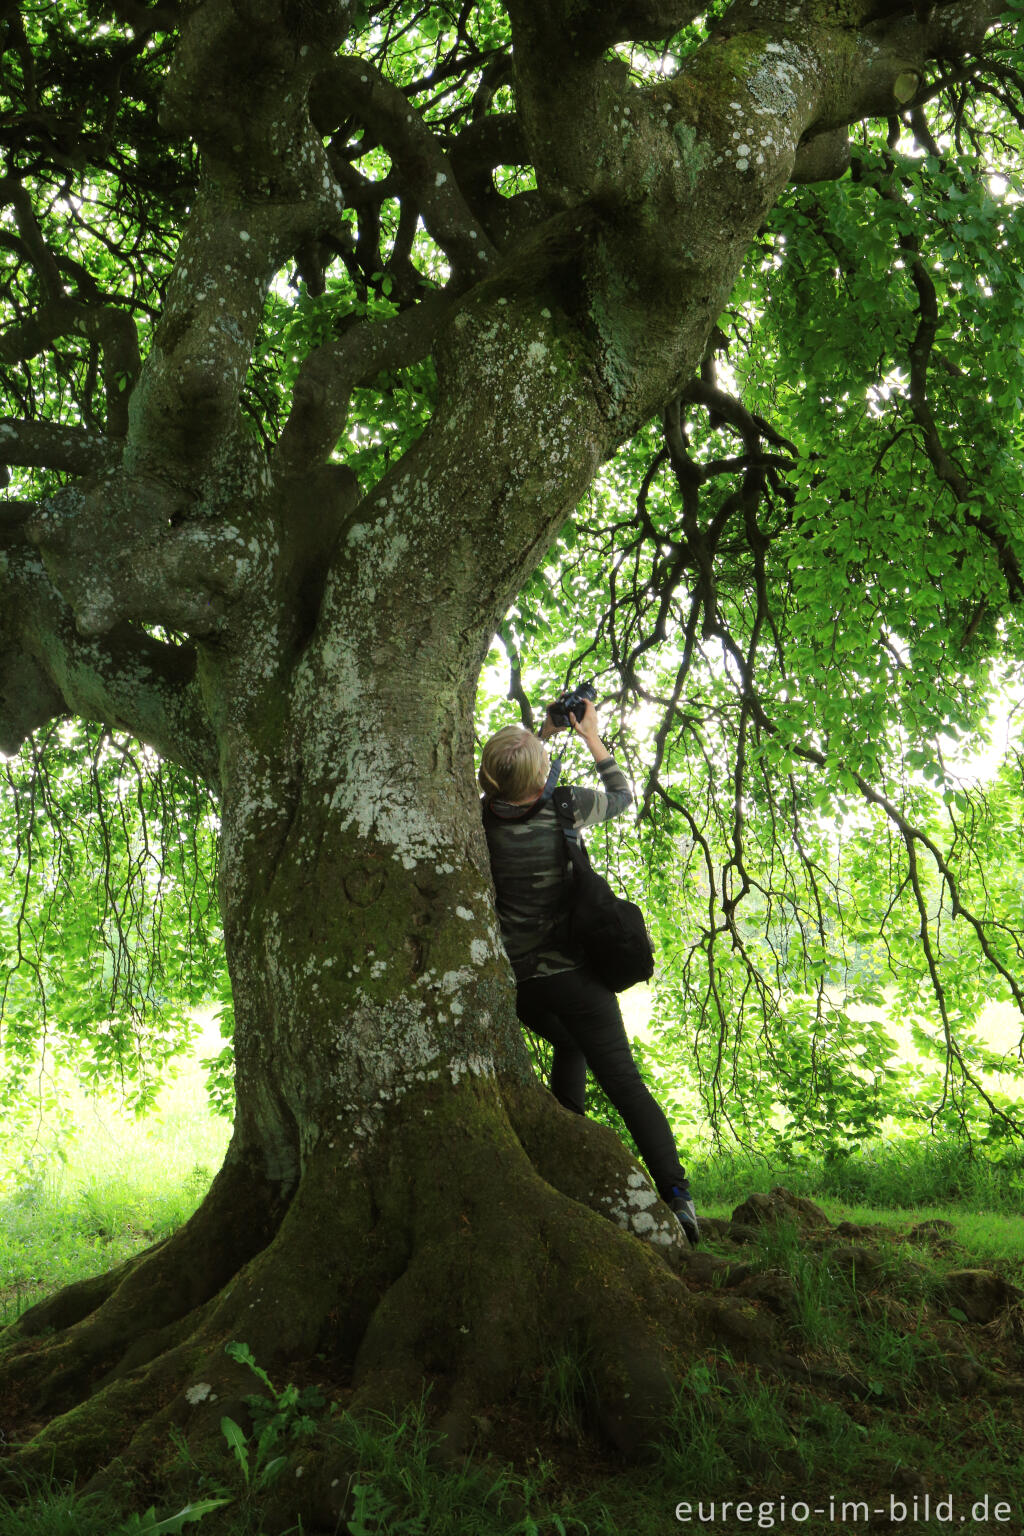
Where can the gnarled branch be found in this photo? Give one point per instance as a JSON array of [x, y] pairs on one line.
[[47, 445], [420, 164], [109, 326], [331, 372], [128, 679]]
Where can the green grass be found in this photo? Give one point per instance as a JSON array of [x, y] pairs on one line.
[[402, 1487], [74, 1208], [895, 1174], [51, 1509]]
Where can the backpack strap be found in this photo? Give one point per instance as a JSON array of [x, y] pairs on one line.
[[576, 848], [561, 799]]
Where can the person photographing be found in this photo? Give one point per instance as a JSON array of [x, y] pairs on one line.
[[558, 996]]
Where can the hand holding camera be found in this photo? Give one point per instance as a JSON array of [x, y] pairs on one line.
[[574, 709], [585, 722], [572, 703]]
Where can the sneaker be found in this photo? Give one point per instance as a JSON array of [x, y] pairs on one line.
[[684, 1209]]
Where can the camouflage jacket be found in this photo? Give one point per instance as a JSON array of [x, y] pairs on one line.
[[532, 873]]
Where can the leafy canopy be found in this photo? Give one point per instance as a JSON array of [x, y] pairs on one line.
[[799, 590]]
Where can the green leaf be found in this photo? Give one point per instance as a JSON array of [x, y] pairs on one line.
[[149, 1524]]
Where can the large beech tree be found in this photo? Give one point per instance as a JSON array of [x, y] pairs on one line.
[[229, 225]]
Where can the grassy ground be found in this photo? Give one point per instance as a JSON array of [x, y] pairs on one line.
[[72, 1208], [889, 1391], [888, 1183]]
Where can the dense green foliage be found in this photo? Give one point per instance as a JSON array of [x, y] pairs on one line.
[[799, 593], [109, 920]]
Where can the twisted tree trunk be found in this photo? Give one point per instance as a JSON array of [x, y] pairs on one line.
[[401, 1201]]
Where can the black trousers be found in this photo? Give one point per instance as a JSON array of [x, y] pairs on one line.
[[580, 1017]]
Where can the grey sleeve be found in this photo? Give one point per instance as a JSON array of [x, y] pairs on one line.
[[592, 806]]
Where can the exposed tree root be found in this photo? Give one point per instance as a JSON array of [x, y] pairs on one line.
[[445, 1257], [96, 1329], [442, 1257]]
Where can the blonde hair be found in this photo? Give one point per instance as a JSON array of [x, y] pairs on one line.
[[513, 764]]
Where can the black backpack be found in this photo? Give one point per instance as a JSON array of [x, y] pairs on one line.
[[608, 931]]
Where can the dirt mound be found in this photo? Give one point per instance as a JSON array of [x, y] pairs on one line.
[[780, 1204]]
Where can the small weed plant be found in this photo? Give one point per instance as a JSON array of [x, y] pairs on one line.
[[150, 1524], [277, 1417], [566, 1390]]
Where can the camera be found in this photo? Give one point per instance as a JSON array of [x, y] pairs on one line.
[[571, 701]]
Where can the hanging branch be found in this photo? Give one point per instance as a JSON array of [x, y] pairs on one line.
[[145, 833], [668, 565], [516, 691], [919, 357]]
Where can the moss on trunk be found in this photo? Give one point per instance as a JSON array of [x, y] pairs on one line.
[[446, 1257]]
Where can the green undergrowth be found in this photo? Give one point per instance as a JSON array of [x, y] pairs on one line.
[[899, 1173], [875, 1387], [879, 1390], [400, 1485], [886, 1390], [75, 1205], [988, 1237], [51, 1234], [51, 1509]]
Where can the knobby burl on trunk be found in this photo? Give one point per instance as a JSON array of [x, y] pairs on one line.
[[400, 1200]]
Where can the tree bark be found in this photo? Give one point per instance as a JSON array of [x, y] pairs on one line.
[[400, 1201]]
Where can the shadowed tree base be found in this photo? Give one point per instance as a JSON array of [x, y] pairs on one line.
[[463, 1270], [477, 1243]]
